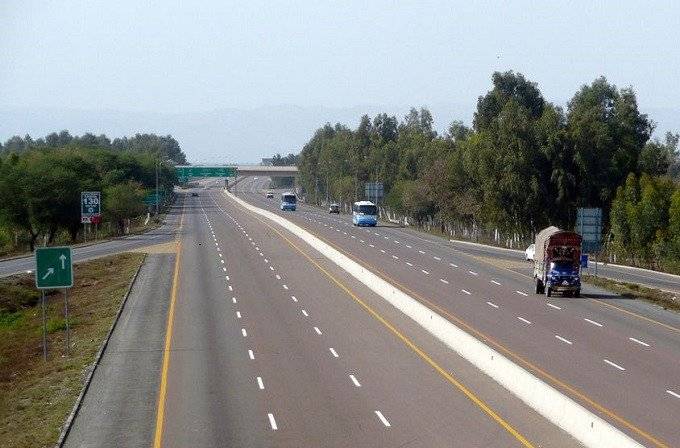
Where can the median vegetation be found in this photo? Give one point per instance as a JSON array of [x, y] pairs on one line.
[[41, 181], [524, 164], [37, 396]]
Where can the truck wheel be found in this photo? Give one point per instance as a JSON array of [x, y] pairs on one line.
[[539, 287], [548, 291]]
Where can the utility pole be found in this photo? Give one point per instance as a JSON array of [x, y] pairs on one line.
[[157, 164]]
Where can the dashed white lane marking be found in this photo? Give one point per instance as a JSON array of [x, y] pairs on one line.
[[492, 304], [396, 242], [473, 273], [261, 254], [257, 248], [226, 277], [260, 384], [421, 251], [238, 314], [233, 300], [522, 293], [361, 241], [217, 245], [285, 286], [424, 272], [437, 258], [244, 332], [271, 268], [304, 313], [409, 246], [495, 283], [592, 322], [333, 352], [524, 320], [278, 277], [675, 394], [354, 380], [222, 261], [352, 236], [395, 257], [371, 245], [376, 234], [224, 269], [230, 288], [566, 341], [637, 341], [382, 418], [219, 250], [317, 330], [453, 265], [613, 364], [294, 298], [553, 306], [382, 250], [410, 264], [272, 422], [220, 255], [446, 282], [251, 355], [466, 291]]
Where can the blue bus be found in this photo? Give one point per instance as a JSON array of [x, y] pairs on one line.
[[364, 213], [288, 201]]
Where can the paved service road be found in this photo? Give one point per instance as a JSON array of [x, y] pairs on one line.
[[618, 358], [271, 346], [162, 234]]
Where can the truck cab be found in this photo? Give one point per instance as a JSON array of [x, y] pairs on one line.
[[288, 202], [557, 262]]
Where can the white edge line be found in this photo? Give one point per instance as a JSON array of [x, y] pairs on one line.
[[382, 419], [272, 422]]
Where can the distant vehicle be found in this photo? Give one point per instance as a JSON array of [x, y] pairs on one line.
[[529, 252], [364, 213], [288, 201], [334, 208], [194, 194], [557, 262], [270, 195]]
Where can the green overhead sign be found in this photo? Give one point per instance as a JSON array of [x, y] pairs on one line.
[[53, 267], [187, 172]]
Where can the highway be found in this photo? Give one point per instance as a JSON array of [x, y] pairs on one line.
[[618, 358], [270, 345], [163, 234]]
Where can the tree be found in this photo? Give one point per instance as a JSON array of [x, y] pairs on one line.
[[123, 201]]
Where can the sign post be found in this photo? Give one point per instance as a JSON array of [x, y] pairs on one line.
[[90, 209], [374, 191], [589, 226], [53, 269]]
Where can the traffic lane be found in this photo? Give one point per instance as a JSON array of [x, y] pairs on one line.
[[164, 234], [426, 403], [206, 403], [119, 407], [647, 312], [550, 355]]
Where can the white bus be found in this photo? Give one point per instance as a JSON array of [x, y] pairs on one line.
[[364, 213]]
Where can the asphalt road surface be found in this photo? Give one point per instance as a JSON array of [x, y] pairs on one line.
[[618, 358], [163, 234]]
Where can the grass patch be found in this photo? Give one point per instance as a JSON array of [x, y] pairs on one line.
[[665, 299], [37, 396]]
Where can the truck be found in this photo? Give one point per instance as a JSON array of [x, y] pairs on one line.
[[288, 201], [557, 262]]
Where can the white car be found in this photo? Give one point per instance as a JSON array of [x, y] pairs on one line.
[[530, 252]]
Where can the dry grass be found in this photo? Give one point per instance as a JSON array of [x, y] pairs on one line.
[[665, 299], [37, 396]]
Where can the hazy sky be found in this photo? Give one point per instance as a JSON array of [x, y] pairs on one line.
[[179, 56]]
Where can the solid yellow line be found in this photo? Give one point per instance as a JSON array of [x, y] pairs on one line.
[[450, 378], [160, 414]]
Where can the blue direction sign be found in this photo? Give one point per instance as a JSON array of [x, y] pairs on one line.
[[53, 267]]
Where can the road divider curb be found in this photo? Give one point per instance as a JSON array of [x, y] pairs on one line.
[[579, 422], [97, 359]]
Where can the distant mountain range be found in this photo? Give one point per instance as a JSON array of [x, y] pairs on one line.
[[234, 135]]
